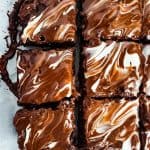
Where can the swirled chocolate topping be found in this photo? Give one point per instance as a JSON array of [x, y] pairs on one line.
[[146, 19], [45, 129], [146, 81], [113, 69], [112, 124], [112, 19], [45, 76], [48, 21]]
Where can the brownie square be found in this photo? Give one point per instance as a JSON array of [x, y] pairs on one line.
[[112, 19], [146, 19], [146, 140], [48, 21], [112, 124], [146, 81], [45, 76], [113, 69], [145, 112], [45, 129]]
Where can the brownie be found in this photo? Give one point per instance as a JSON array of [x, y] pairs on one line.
[[112, 124], [145, 112], [48, 21], [113, 69], [146, 140], [45, 129], [146, 19], [45, 76], [146, 81], [112, 19]]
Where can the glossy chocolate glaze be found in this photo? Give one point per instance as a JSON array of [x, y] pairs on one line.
[[146, 19], [113, 69], [45, 129], [112, 124], [48, 21], [45, 76], [112, 19]]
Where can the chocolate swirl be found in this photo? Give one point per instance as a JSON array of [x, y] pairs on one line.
[[121, 19], [45, 76], [146, 19], [112, 124], [53, 24], [44, 129], [113, 69]]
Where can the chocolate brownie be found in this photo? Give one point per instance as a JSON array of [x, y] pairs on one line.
[[112, 19], [48, 21], [113, 69], [45, 76], [45, 129], [112, 124]]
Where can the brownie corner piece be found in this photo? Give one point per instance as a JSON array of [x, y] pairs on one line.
[[48, 21], [113, 69], [112, 19], [112, 124], [45, 129], [45, 76]]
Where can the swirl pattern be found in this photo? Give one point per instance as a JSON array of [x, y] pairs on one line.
[[53, 24], [112, 19], [44, 129], [113, 69], [112, 124], [45, 76]]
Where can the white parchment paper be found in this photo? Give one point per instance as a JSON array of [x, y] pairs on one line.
[[8, 102]]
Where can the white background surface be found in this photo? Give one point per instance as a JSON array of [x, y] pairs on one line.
[[8, 102]]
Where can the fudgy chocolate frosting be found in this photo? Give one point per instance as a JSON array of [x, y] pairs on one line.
[[45, 129], [48, 20], [112, 124], [45, 76], [119, 19], [146, 19], [113, 69]]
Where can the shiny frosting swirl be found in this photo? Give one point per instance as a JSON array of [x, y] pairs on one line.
[[45, 76], [44, 129], [53, 24], [112, 124], [113, 69], [121, 19]]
